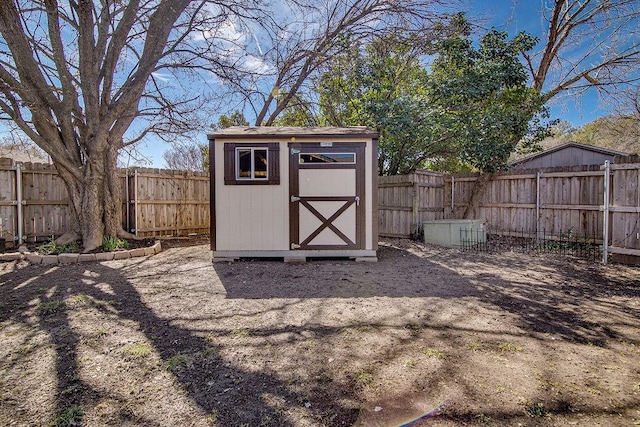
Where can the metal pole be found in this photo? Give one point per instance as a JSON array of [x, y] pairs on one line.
[[538, 174], [19, 202], [605, 219], [126, 184], [135, 200]]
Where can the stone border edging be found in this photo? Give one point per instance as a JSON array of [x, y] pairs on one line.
[[35, 258]]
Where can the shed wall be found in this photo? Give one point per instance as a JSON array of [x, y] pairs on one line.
[[252, 217]]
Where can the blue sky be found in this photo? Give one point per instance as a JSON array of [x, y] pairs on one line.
[[508, 15], [513, 16]]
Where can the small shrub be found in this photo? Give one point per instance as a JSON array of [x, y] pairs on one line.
[[54, 248], [69, 417], [50, 307], [111, 244]]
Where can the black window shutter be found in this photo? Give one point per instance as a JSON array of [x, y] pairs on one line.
[[274, 163], [229, 163]]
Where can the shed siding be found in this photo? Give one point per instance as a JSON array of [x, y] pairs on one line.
[[252, 217]]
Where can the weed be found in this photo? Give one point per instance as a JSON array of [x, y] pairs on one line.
[[212, 417], [636, 422], [176, 362], [238, 333], [410, 363], [209, 352], [537, 410], [433, 352], [102, 332], [50, 307], [137, 350], [69, 417], [54, 248], [474, 346], [111, 244], [483, 418], [636, 387], [80, 298], [363, 377], [507, 346], [265, 421]]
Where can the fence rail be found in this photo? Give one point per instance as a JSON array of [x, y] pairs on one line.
[[552, 201], [34, 203]]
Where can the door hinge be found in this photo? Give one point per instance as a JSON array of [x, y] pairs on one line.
[[357, 201], [295, 151], [295, 246], [295, 199]]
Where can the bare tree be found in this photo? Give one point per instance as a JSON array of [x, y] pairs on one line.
[[74, 77], [589, 43], [306, 34], [188, 157]]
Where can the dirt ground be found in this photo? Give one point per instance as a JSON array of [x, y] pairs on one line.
[[174, 340]]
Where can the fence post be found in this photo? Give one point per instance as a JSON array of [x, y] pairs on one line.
[[453, 195], [605, 219], [127, 201], [538, 174], [19, 202], [416, 205]]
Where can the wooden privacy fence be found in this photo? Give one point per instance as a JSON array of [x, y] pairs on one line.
[[34, 202], [553, 201]]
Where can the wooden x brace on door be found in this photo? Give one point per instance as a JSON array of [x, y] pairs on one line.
[[328, 222]]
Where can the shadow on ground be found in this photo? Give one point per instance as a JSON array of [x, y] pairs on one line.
[[231, 396]]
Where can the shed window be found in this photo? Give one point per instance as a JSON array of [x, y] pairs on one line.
[[251, 164]]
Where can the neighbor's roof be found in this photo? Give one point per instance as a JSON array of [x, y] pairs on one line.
[[560, 147], [290, 131]]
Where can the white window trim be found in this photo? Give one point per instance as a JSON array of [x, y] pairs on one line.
[[253, 166]]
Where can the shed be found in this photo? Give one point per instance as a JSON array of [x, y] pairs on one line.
[[294, 192], [568, 154]]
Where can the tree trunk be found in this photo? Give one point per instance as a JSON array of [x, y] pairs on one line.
[[95, 201], [477, 193]]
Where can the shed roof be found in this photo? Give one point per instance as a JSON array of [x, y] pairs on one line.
[[251, 132], [566, 145]]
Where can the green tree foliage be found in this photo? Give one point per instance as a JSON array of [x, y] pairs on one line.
[[236, 118], [383, 86], [471, 109], [482, 95]]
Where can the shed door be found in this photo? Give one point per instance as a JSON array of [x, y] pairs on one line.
[[327, 192]]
